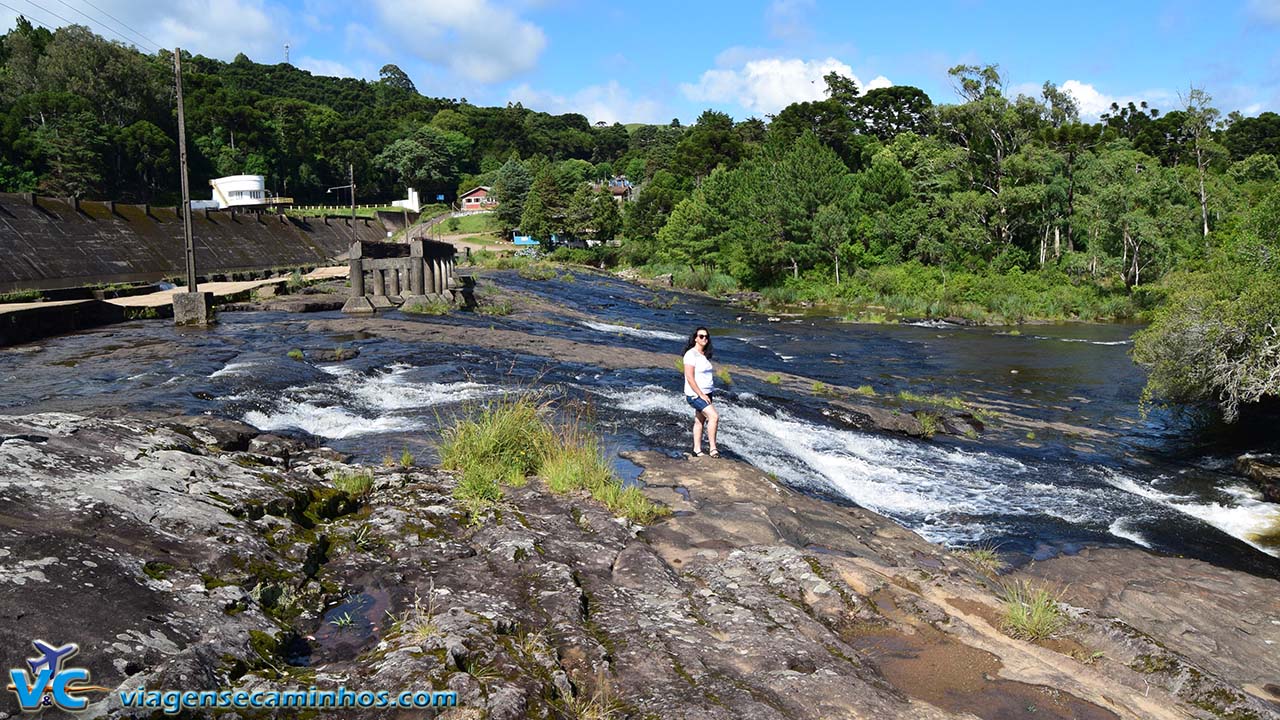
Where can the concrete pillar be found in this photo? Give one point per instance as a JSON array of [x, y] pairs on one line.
[[415, 276], [393, 286], [449, 265], [356, 274], [193, 308], [379, 284], [437, 265]]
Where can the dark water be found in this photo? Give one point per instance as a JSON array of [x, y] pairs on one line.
[[1093, 471]]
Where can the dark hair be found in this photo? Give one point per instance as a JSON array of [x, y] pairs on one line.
[[707, 351]]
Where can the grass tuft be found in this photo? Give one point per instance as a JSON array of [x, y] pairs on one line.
[[505, 440], [1030, 612], [497, 308], [773, 379], [536, 271], [432, 307], [295, 354], [985, 559], [355, 484]]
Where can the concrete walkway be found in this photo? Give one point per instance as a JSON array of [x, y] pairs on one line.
[[165, 297], [224, 289], [20, 307]]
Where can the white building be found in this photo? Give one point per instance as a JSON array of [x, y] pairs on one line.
[[412, 204], [244, 191]]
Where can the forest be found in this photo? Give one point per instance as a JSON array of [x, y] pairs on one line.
[[991, 207]]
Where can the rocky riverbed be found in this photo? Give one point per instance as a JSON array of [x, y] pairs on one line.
[[196, 553]]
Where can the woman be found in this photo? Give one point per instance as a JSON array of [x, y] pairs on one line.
[[699, 387]]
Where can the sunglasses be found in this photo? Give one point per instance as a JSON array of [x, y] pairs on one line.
[[700, 336]]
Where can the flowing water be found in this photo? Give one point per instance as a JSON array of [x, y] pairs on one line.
[[1092, 471]]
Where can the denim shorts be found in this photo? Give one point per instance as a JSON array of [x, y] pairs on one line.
[[698, 403]]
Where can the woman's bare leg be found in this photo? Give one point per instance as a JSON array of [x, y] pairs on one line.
[[713, 420], [697, 432]]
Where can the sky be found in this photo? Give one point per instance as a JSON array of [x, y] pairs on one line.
[[654, 61]]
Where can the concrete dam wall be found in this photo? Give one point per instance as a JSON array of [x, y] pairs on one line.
[[48, 243]]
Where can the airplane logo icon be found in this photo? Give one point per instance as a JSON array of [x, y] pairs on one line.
[[51, 657]]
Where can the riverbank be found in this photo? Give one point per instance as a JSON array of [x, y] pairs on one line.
[[248, 561], [912, 291]]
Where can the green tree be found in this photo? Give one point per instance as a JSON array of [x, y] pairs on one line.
[[710, 143], [510, 190], [149, 157], [1201, 117], [605, 217], [429, 159]]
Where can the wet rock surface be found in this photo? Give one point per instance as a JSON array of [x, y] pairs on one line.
[[191, 557], [1263, 471]]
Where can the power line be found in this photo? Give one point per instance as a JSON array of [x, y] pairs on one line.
[[47, 10], [124, 25], [28, 16], [109, 30], [51, 27]]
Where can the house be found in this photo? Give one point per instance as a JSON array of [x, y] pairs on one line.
[[477, 199], [618, 186], [244, 191]]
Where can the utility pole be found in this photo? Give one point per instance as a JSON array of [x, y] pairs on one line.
[[191, 307], [182, 174], [351, 185]]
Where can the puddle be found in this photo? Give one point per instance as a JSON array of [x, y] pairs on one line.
[[962, 679], [353, 625]]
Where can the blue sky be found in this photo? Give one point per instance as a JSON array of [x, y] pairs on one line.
[[652, 61]]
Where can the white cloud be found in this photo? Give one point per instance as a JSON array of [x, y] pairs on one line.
[[1267, 11], [329, 68], [217, 28], [1094, 103], [770, 84], [789, 19], [609, 103], [474, 39]]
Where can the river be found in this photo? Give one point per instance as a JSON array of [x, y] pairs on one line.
[[1161, 482]]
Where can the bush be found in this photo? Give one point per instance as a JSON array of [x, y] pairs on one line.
[[431, 307], [1217, 340], [355, 484], [508, 439], [1031, 613], [536, 271], [18, 296], [495, 307]]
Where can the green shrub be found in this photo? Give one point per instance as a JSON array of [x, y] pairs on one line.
[[355, 484], [985, 559], [536, 271], [431, 307], [930, 423], [295, 354], [18, 296], [773, 379], [505, 440], [865, 391], [495, 308], [507, 435], [1030, 612]]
